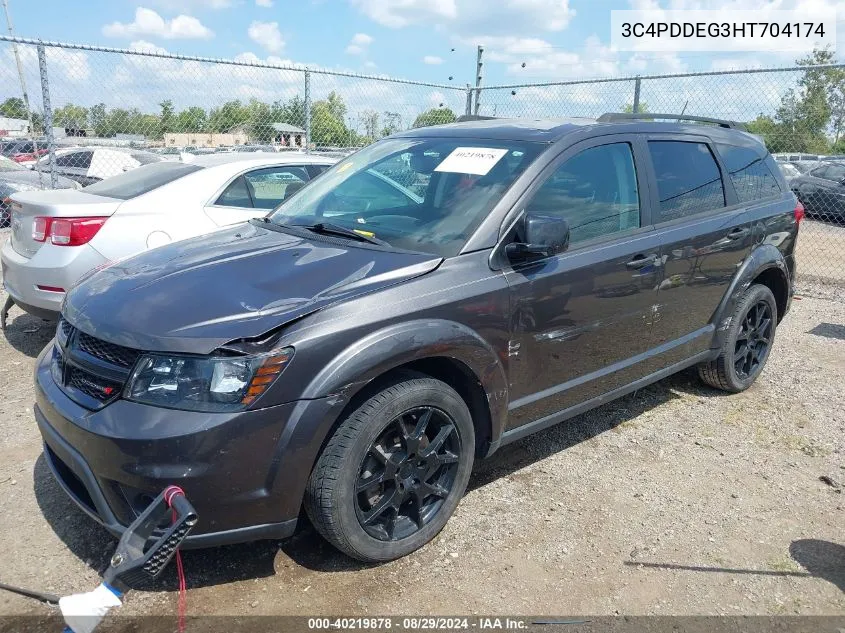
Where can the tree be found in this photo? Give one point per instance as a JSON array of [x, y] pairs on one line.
[[392, 123], [435, 116], [336, 106], [369, 119], [167, 117], [326, 127], [193, 119], [629, 107], [13, 108], [98, 118], [71, 116], [227, 116]]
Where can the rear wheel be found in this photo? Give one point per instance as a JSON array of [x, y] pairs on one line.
[[748, 342], [394, 471]]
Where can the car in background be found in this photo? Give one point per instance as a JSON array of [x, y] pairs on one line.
[[822, 190], [15, 178], [24, 152], [59, 236], [789, 171], [87, 165]]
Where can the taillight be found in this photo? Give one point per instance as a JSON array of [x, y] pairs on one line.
[[66, 231], [40, 229], [74, 231], [799, 212]]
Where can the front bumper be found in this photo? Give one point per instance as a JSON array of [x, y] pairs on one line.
[[53, 266], [232, 466]]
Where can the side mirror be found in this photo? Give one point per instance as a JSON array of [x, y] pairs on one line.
[[545, 236]]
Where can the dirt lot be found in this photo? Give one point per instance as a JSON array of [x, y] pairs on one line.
[[674, 500]]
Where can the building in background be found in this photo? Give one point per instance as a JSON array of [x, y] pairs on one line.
[[13, 128], [205, 139], [289, 135]]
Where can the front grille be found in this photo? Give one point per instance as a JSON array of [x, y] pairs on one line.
[[109, 352], [92, 385]]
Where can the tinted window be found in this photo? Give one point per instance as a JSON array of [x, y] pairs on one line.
[[595, 191], [819, 172], [749, 173], [268, 187], [78, 160], [835, 173], [316, 170], [135, 182], [236, 195], [688, 179]]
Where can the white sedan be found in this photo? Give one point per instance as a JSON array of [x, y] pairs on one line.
[[59, 235]]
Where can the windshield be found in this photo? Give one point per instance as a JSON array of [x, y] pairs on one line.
[[7, 164], [416, 194], [140, 180]]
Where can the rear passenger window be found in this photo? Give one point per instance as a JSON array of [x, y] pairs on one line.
[[595, 191], [749, 173], [236, 195], [688, 179]]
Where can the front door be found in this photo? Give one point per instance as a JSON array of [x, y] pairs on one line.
[[580, 319]]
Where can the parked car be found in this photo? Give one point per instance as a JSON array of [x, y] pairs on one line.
[[356, 350], [15, 178], [24, 152], [87, 165], [58, 236], [822, 190], [789, 171]]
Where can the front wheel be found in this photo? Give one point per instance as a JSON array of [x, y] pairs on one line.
[[747, 344], [393, 472]]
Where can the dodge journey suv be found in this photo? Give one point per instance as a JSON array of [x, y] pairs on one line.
[[429, 299]]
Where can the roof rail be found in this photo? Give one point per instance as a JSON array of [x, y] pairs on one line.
[[639, 116], [474, 117]]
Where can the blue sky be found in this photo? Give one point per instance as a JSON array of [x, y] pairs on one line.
[[423, 40], [406, 38]]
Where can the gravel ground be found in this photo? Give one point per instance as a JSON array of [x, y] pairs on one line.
[[675, 500]]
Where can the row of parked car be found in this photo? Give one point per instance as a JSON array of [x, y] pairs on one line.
[[818, 182], [370, 331]]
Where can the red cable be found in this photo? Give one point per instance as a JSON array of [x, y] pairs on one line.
[[182, 603]]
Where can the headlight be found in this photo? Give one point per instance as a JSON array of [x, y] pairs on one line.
[[204, 383]]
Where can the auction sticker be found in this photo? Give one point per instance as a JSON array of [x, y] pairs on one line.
[[471, 160]]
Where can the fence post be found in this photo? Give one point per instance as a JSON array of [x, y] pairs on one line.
[[468, 110], [48, 115], [479, 78], [636, 107], [307, 111]]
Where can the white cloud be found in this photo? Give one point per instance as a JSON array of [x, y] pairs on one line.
[[267, 4], [471, 15], [432, 60], [192, 5], [359, 44], [148, 22], [436, 98], [147, 47], [267, 35]]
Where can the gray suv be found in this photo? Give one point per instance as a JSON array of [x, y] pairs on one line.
[[429, 299]]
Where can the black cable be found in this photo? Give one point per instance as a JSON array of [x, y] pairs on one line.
[[49, 598]]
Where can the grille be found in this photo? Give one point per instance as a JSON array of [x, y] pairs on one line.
[[94, 386], [115, 354], [67, 328]]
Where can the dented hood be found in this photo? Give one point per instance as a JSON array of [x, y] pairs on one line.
[[195, 295]]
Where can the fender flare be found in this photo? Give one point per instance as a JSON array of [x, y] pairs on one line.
[[762, 258]]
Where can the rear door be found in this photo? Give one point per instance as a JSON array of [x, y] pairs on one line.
[[580, 319], [255, 193], [705, 233]]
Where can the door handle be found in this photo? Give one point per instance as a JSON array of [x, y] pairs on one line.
[[738, 234], [641, 261]]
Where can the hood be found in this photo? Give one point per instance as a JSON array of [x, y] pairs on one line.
[[27, 177], [196, 295]]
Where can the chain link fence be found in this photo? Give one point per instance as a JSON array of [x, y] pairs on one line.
[[85, 113]]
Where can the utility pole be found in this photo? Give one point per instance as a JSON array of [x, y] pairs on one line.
[[23, 89], [479, 78]]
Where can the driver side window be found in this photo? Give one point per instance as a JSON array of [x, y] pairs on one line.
[[595, 191]]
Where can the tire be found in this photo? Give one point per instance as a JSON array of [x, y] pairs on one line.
[[378, 490], [739, 362]]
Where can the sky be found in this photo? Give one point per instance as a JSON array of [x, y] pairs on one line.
[[424, 40]]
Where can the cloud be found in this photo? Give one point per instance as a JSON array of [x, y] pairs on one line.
[[267, 4], [188, 6], [146, 47], [471, 15], [148, 22], [432, 60], [359, 44], [267, 35]]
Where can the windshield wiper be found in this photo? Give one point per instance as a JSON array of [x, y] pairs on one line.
[[327, 228]]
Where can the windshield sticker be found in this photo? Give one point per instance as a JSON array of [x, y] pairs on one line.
[[471, 160], [345, 167]]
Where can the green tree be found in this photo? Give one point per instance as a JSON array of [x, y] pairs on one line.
[[98, 118], [227, 116], [71, 116], [13, 108], [629, 107], [336, 106], [167, 118], [326, 127], [435, 116], [291, 112], [193, 119]]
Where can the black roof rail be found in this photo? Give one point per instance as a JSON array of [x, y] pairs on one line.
[[474, 117], [640, 116]]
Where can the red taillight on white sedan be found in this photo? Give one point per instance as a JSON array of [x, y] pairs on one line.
[[66, 231]]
